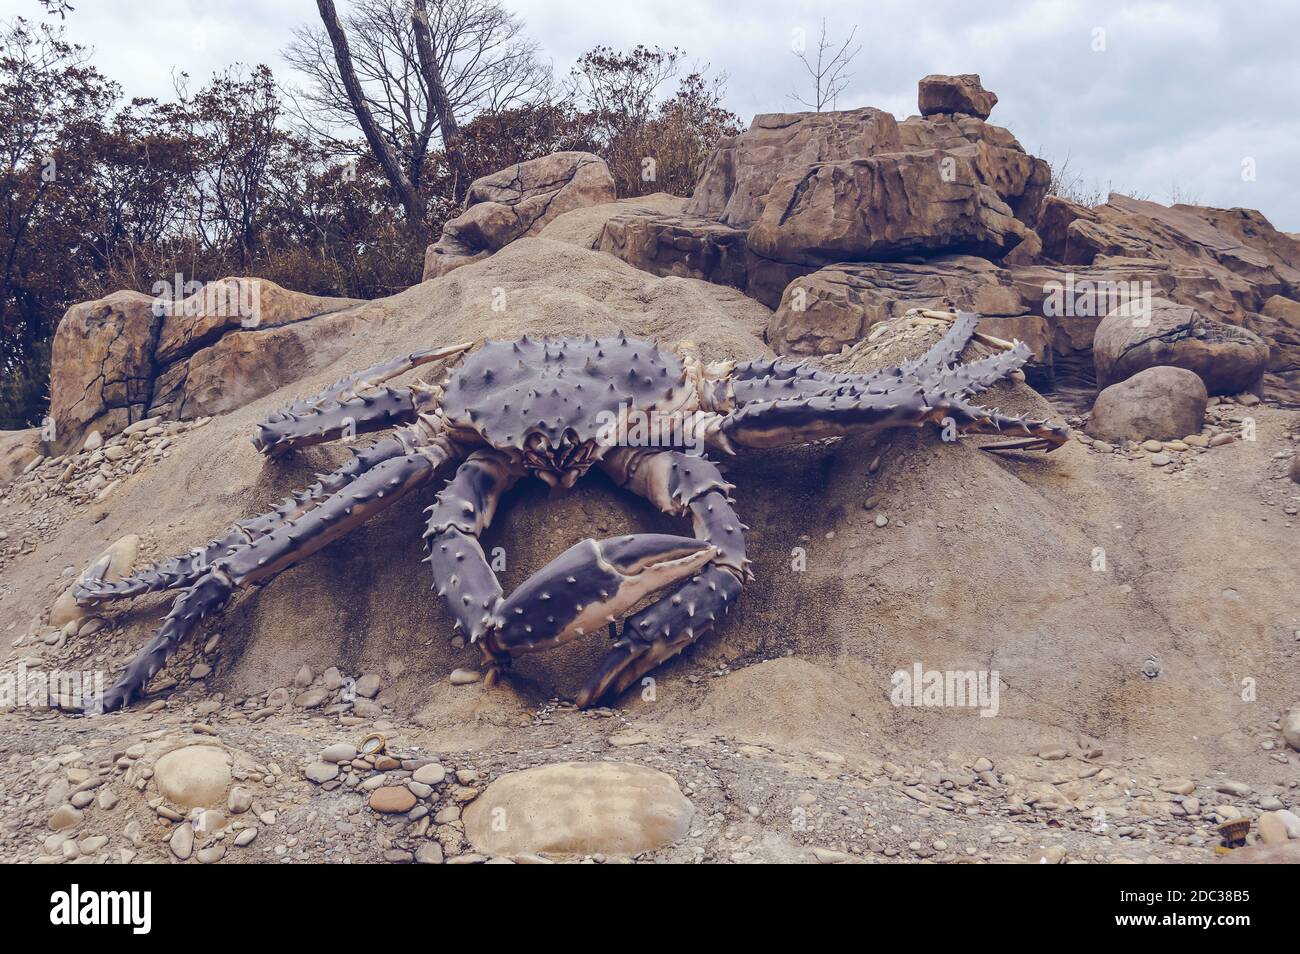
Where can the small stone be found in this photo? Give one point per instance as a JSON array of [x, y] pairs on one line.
[[1291, 728], [240, 801], [1179, 786], [368, 686], [322, 772], [245, 837], [881, 521], [182, 841], [431, 774], [339, 752], [108, 799], [464, 677], [1052, 753], [1054, 855], [392, 799], [1272, 829], [65, 816], [429, 853], [1161, 460], [1229, 787], [211, 854], [304, 677]]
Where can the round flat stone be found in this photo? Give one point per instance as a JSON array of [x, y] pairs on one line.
[[194, 776], [392, 799], [579, 808]]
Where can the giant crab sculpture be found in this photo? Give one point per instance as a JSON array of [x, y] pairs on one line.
[[543, 408]]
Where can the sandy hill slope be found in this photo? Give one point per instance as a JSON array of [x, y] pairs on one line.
[[870, 557]]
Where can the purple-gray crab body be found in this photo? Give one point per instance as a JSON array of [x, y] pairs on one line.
[[552, 409]]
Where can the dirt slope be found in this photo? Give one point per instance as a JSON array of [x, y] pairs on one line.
[[982, 563]]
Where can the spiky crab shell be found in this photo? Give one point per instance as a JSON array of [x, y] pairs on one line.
[[507, 391]]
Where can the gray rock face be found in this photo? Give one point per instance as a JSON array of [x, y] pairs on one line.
[[1227, 358], [1160, 404], [517, 201]]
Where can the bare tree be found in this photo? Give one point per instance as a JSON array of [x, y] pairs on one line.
[[829, 71], [418, 69]]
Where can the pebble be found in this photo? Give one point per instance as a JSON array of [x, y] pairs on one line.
[[431, 774], [339, 752], [464, 677], [392, 799], [240, 801], [322, 772], [182, 841], [245, 837], [429, 853], [368, 686], [1052, 753], [211, 854], [65, 816], [882, 520]]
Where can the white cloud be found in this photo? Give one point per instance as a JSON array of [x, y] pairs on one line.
[[1182, 93]]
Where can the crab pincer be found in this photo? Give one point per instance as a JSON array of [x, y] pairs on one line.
[[592, 583]]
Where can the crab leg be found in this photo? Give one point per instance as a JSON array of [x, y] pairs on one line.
[[462, 511], [185, 569], [678, 484], [371, 492], [970, 418], [354, 404]]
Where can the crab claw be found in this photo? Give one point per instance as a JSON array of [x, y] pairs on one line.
[[589, 585]]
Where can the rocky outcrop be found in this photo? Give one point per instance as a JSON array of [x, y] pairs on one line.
[[685, 246], [885, 207], [129, 356], [956, 94], [742, 169], [102, 365], [517, 201], [799, 191], [837, 305], [1132, 338], [1230, 264], [1162, 404]]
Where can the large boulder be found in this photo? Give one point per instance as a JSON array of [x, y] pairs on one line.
[[939, 94], [102, 365], [885, 207], [1162, 404], [579, 808], [742, 169], [128, 356], [517, 201], [1141, 335]]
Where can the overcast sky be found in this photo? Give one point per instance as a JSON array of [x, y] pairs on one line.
[[1146, 98]]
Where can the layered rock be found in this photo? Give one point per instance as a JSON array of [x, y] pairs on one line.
[[837, 305], [517, 201], [681, 245], [128, 355], [956, 94], [1132, 338], [803, 190], [1230, 264], [885, 207]]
